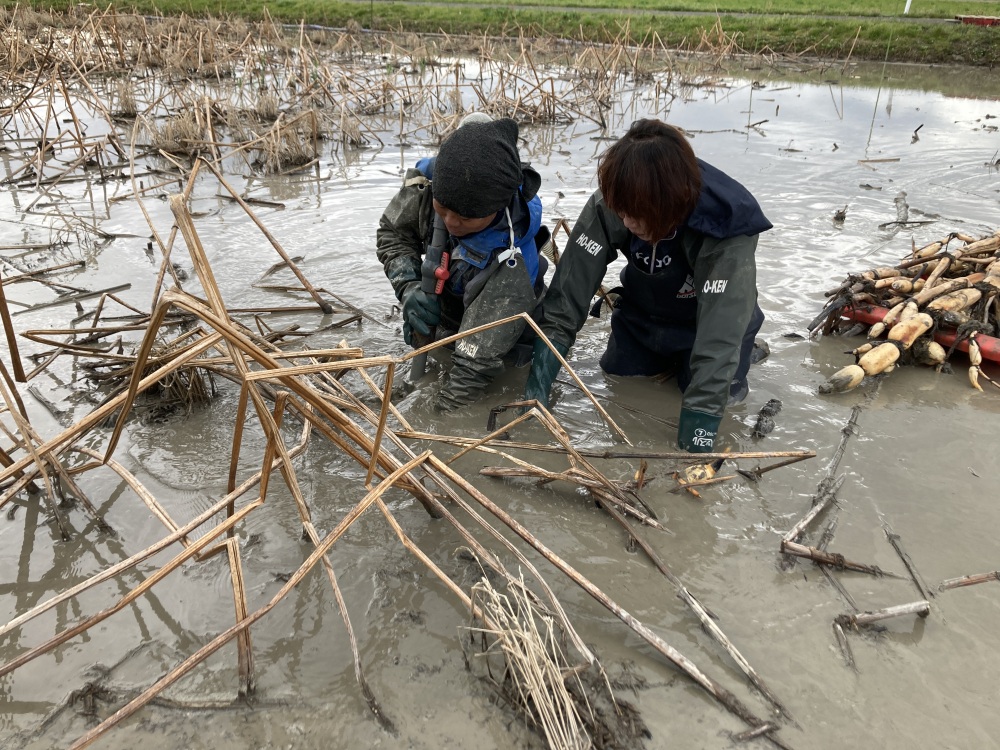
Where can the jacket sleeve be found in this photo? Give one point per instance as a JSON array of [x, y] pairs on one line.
[[596, 237], [725, 275], [399, 240]]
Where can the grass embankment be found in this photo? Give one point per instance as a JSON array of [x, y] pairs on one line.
[[837, 29]]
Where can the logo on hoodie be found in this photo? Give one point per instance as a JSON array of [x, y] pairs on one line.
[[649, 262], [687, 291]]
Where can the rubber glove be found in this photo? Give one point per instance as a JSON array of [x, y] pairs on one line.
[[544, 368], [421, 312], [697, 431]]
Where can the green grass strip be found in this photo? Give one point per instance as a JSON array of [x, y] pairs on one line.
[[789, 27]]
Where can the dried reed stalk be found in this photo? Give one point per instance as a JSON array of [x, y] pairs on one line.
[[116, 570], [535, 663], [236, 345], [41, 459], [244, 645], [165, 249], [713, 688], [845, 645], [607, 454], [578, 478], [8, 329], [134, 594], [62, 441], [825, 569], [325, 306], [223, 638], [826, 496]]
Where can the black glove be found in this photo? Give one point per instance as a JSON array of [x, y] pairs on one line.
[[421, 312], [544, 368], [696, 431]]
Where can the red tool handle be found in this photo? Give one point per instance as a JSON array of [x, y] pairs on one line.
[[441, 273]]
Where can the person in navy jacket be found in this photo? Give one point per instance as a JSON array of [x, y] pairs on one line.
[[688, 296]]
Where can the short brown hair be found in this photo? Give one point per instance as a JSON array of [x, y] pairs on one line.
[[651, 175]]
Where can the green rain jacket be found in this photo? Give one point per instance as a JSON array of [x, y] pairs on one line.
[[718, 241]]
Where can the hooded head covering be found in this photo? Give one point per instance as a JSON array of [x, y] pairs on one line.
[[478, 168]]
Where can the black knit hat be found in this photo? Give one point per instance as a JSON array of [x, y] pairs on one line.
[[478, 168]]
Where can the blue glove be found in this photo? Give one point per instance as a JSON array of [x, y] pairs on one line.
[[544, 368], [697, 431], [421, 312]]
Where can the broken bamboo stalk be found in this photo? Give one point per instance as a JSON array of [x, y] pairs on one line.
[[845, 646], [858, 619], [825, 569], [834, 559], [897, 544], [701, 613], [969, 580], [828, 495]]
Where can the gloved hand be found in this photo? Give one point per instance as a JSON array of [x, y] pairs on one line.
[[421, 311], [544, 368], [697, 431]]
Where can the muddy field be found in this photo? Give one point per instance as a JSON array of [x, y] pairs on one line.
[[289, 145]]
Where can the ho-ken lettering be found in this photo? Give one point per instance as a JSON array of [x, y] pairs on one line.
[[591, 246], [718, 286]]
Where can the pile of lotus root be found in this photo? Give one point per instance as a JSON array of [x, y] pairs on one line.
[[944, 296]]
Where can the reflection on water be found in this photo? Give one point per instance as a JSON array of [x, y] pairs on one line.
[[922, 459]]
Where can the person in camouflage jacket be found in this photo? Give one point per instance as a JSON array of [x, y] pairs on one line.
[[488, 202]]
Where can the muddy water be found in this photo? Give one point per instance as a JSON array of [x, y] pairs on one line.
[[922, 461]]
